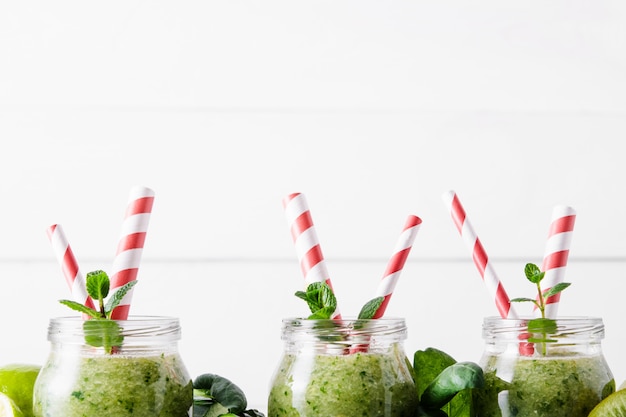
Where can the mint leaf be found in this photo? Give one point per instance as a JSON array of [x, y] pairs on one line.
[[370, 308], [80, 307], [103, 333], [556, 289], [117, 297], [322, 314], [521, 299], [97, 283], [533, 273], [542, 325], [320, 299]]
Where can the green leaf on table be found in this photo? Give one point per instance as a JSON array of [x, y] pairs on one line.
[[452, 380], [427, 365], [221, 391], [437, 377]]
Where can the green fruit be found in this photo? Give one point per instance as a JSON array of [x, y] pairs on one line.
[[612, 406], [8, 408], [17, 382]]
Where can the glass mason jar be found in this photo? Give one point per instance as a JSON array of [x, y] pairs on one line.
[[557, 370], [143, 375], [343, 368]]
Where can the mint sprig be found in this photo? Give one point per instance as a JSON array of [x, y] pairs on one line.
[[535, 275], [541, 327], [320, 299], [101, 330]]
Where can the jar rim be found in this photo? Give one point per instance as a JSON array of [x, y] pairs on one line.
[[140, 329], [131, 319], [349, 328], [566, 327], [526, 318]]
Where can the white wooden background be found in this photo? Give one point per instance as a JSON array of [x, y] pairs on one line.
[[371, 109]]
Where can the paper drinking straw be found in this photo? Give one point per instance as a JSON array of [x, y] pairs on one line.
[[485, 268], [69, 266], [394, 267], [556, 253], [130, 245], [307, 244]]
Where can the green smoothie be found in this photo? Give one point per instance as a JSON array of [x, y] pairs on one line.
[[349, 385], [113, 386], [553, 386]]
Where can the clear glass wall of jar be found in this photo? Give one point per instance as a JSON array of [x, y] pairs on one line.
[[144, 376], [343, 368], [557, 370]]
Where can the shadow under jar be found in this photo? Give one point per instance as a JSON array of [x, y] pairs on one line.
[[343, 368], [558, 370], [142, 377]]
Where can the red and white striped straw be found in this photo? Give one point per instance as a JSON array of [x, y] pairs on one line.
[[485, 268], [307, 244], [130, 245], [396, 263], [69, 266], [556, 253]]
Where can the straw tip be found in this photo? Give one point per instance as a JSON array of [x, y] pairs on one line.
[[414, 220], [563, 210], [141, 191], [448, 196], [290, 197], [50, 229]]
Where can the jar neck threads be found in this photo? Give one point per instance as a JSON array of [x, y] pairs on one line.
[[565, 335], [139, 333], [337, 336]]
